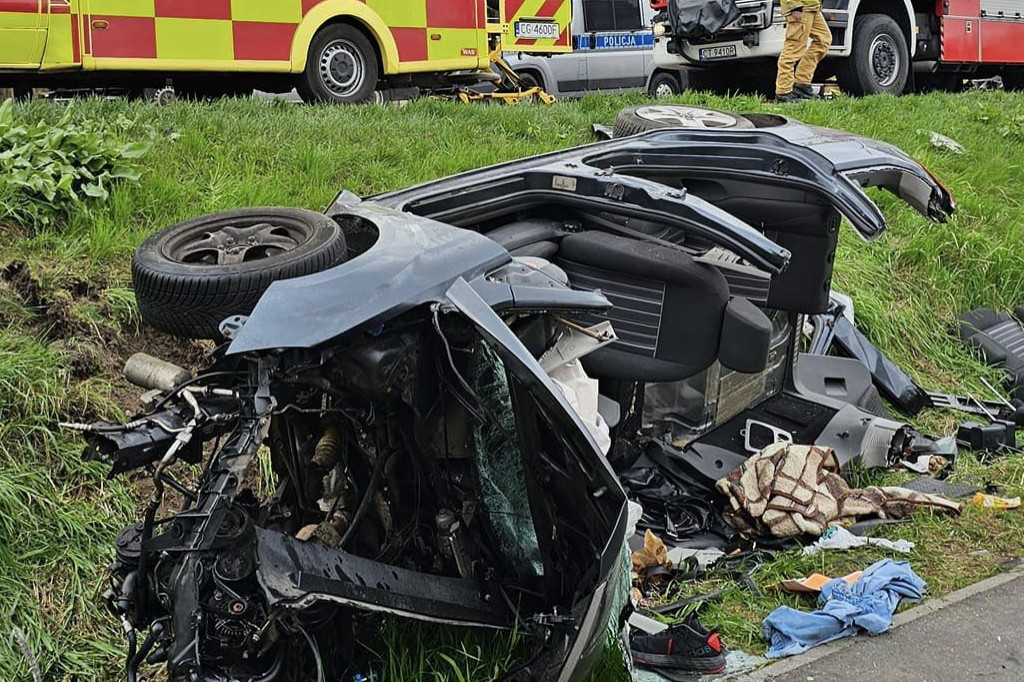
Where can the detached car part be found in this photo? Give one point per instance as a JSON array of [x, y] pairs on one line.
[[999, 337], [835, 330]]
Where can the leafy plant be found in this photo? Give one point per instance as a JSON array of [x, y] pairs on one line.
[[49, 170]]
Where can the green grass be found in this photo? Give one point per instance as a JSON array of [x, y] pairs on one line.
[[60, 349]]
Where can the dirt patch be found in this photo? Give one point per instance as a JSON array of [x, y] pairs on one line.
[[105, 358], [94, 346], [18, 277]]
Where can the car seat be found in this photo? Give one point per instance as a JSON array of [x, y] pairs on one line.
[[1000, 338], [673, 316]]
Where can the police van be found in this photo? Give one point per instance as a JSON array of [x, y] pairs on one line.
[[613, 46]]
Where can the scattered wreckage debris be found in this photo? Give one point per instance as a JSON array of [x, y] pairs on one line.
[[813, 583], [792, 490], [838, 537], [999, 337], [930, 485], [940, 141], [844, 609], [460, 399], [992, 502]]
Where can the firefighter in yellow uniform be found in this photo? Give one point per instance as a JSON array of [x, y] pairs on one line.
[[803, 23]]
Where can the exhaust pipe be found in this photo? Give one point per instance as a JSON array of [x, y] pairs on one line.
[[150, 373]]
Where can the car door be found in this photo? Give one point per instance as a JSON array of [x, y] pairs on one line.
[[615, 40], [22, 33]]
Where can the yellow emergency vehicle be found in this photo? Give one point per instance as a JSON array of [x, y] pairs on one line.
[[330, 50]]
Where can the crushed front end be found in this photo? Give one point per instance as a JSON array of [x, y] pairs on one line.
[[417, 463]]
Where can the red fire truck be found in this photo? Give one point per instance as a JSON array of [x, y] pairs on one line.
[[878, 46]]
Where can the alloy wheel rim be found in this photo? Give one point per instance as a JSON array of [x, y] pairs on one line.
[[235, 244], [687, 117]]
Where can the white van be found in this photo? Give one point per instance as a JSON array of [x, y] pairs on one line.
[[613, 46]]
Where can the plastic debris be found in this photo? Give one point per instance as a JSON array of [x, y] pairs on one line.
[[940, 141], [836, 537], [634, 512], [813, 583], [992, 502], [653, 554], [703, 557]]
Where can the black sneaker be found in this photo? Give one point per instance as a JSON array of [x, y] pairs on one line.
[[783, 98], [805, 91], [684, 647]]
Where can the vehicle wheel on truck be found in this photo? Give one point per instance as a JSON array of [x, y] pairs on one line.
[[640, 119], [192, 276], [664, 84], [341, 67], [879, 61], [528, 80]]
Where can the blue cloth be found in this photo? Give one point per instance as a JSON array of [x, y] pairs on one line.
[[843, 610]]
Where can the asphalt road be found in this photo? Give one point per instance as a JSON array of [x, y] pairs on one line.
[[978, 638]]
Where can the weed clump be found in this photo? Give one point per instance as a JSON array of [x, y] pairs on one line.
[[50, 170]]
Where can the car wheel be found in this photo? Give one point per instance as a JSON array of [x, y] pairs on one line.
[[193, 275], [664, 85], [640, 119], [341, 67], [879, 62]]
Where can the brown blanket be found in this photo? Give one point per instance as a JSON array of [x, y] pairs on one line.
[[787, 490]]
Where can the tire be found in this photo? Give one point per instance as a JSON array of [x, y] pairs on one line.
[[879, 62], [184, 287], [640, 119], [528, 80], [664, 84], [341, 67]]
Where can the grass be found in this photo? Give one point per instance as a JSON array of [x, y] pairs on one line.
[[65, 329]]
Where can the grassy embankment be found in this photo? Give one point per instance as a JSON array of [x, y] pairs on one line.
[[67, 321]]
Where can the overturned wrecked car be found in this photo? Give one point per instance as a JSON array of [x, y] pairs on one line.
[[448, 381]]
